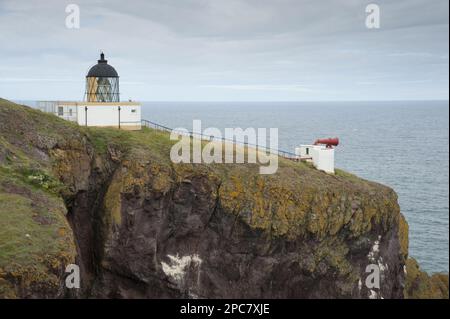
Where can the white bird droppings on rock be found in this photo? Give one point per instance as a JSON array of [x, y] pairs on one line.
[[372, 294], [177, 268]]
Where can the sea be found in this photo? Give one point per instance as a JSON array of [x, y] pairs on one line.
[[402, 144]]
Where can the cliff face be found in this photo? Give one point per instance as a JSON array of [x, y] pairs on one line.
[[141, 226]]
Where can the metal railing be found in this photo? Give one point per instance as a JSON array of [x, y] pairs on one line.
[[281, 153]]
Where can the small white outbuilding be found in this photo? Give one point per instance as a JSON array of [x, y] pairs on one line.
[[304, 152], [323, 158], [321, 154]]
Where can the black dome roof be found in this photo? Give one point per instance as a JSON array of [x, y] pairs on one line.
[[102, 69]]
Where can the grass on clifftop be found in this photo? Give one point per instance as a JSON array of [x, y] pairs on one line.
[[159, 144]]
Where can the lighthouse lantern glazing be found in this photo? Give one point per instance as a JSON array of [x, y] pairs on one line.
[[102, 83]]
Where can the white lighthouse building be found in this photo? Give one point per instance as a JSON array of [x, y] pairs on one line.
[[101, 106]]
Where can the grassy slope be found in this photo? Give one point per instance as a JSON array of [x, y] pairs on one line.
[[35, 238]]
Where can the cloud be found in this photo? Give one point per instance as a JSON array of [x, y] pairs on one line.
[[234, 49], [261, 87], [9, 80]]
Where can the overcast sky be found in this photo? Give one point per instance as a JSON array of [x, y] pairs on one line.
[[240, 50]]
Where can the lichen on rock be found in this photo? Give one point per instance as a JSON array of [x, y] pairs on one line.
[[420, 285]]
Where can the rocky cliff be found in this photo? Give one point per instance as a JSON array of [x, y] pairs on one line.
[[140, 226]]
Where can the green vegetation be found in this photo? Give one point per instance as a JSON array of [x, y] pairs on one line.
[[35, 238], [129, 141], [36, 241], [30, 230]]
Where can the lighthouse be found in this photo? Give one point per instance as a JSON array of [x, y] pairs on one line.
[[101, 105]]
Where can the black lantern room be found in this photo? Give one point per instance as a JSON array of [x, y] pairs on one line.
[[102, 82]]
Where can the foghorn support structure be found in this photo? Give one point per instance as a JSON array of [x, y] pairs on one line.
[[321, 153]]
